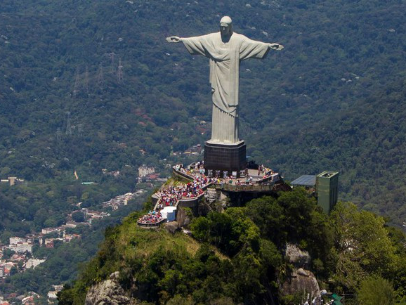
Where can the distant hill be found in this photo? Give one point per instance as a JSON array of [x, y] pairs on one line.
[[61, 57], [365, 143]]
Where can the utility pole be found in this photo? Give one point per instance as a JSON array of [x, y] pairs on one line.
[[68, 125], [100, 78], [120, 72], [58, 135], [87, 80], [77, 83], [80, 130], [112, 57]]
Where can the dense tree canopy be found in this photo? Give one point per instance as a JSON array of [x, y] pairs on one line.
[[363, 245], [64, 106], [376, 290], [240, 254], [92, 85]]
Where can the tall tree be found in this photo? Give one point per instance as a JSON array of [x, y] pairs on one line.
[[363, 245]]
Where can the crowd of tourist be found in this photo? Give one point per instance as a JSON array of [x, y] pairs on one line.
[[151, 218], [194, 170], [234, 181], [264, 171], [169, 196], [197, 169]]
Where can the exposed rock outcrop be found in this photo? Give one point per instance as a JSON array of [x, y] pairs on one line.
[[299, 280], [108, 292], [297, 257], [172, 226], [183, 218]]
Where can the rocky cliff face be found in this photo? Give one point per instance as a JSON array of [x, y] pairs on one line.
[[109, 292], [299, 280], [183, 218]]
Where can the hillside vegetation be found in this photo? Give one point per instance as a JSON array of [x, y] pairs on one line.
[[351, 250], [365, 143], [64, 56], [88, 85]]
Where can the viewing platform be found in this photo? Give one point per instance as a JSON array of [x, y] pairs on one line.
[[193, 184], [169, 197]]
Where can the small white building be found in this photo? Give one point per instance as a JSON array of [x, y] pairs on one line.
[[145, 170], [16, 240], [50, 230], [21, 247], [52, 295], [33, 262]]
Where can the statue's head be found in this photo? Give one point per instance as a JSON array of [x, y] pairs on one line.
[[226, 26]]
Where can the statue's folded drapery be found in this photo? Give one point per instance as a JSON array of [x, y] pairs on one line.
[[225, 60]]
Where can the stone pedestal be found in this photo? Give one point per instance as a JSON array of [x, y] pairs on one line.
[[225, 157]]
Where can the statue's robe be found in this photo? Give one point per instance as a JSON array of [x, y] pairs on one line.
[[225, 60]]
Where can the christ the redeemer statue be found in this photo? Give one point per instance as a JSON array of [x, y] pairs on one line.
[[225, 49]]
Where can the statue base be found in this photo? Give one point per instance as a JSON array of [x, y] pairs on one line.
[[220, 158]]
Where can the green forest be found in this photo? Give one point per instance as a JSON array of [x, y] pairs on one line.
[[236, 257], [89, 85]]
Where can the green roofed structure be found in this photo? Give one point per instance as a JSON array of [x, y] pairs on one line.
[[324, 186], [327, 190], [337, 299]]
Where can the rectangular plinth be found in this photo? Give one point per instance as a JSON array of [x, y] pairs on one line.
[[225, 157]]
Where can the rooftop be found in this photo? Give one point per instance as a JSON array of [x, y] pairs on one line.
[[327, 174], [305, 180]]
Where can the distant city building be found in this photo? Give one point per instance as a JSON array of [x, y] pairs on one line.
[[28, 301], [70, 224], [20, 245], [17, 257], [115, 174], [33, 262], [52, 296], [57, 287], [50, 230], [90, 215], [49, 242], [69, 237], [115, 203], [5, 268], [143, 171], [16, 240]]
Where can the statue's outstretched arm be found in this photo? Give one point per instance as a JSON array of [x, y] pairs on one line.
[[276, 46], [173, 39]]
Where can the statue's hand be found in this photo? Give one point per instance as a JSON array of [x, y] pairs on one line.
[[276, 46], [173, 39]]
